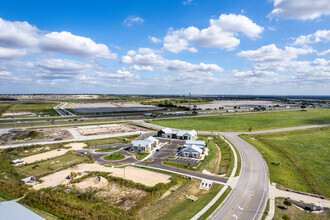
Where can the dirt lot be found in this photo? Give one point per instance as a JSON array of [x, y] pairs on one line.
[[36, 135], [241, 103], [120, 196], [53, 153], [138, 175], [110, 107], [108, 129]]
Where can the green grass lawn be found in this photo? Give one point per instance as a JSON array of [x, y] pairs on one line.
[[114, 157], [242, 122], [111, 149], [140, 155], [295, 213], [46, 167], [298, 159], [178, 165]]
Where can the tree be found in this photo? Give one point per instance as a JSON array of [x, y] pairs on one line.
[[250, 129]]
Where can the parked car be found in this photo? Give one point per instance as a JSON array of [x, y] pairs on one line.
[[83, 152], [17, 161]]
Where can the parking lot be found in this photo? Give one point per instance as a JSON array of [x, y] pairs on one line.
[[171, 150]]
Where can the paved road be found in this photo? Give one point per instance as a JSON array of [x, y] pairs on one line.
[[248, 199]]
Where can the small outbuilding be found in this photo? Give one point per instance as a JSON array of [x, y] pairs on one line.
[[31, 180]]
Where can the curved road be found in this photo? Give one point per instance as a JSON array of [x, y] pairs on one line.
[[248, 199]]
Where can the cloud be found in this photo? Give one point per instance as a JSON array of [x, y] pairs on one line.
[[11, 53], [5, 73], [318, 36], [77, 46], [222, 33], [20, 38], [61, 68], [187, 2], [133, 19], [325, 53], [155, 39], [270, 53], [157, 62], [300, 9]]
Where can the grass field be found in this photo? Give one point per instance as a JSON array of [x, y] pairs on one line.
[[37, 108], [114, 157], [257, 121], [295, 213], [43, 168], [298, 159]]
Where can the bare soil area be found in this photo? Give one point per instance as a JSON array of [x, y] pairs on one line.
[[111, 107], [53, 153], [108, 129], [138, 175], [40, 135]]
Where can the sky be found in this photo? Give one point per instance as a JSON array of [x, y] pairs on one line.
[[236, 47]]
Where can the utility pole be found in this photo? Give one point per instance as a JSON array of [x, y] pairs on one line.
[[189, 100], [14, 119]]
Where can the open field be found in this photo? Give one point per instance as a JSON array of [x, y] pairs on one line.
[[110, 107], [50, 166], [34, 107], [98, 195], [295, 213], [177, 206], [53, 153], [255, 121], [298, 159]]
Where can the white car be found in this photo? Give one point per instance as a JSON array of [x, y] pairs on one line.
[[17, 161]]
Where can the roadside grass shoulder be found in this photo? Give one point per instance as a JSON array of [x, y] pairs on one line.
[[211, 160], [297, 159], [215, 205], [178, 165], [256, 121], [239, 160]]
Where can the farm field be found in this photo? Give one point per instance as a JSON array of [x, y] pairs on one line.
[[255, 121], [298, 159]]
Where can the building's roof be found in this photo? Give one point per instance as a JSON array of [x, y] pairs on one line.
[[189, 142], [142, 143], [12, 210], [192, 148], [167, 130], [152, 139], [184, 132]]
